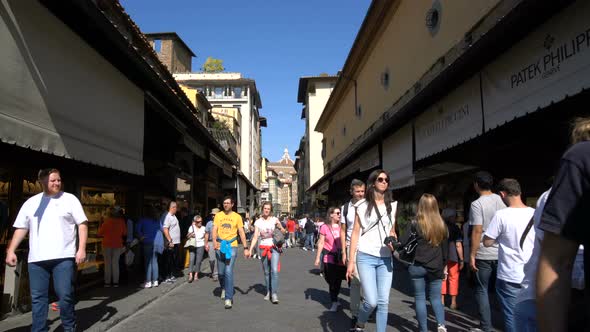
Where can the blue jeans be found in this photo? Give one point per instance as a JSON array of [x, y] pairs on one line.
[[225, 272], [151, 262], [507, 292], [376, 274], [309, 241], [525, 316], [271, 272], [63, 283], [486, 271], [420, 281]]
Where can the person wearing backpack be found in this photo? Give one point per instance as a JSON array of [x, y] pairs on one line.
[[330, 251], [357, 191], [270, 251], [374, 223]]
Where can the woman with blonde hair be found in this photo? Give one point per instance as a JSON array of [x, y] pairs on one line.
[[430, 266]]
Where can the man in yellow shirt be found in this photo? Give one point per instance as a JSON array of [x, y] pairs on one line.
[[226, 227]]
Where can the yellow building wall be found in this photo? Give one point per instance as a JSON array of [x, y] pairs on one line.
[[408, 50]]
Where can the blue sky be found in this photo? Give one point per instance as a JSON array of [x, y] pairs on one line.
[[275, 45]]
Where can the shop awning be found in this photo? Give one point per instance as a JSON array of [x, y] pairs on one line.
[[59, 96], [551, 63], [398, 159], [453, 120], [441, 169], [369, 159]]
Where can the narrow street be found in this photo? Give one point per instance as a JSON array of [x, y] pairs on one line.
[[304, 302]]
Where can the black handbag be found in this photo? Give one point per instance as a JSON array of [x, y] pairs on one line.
[[406, 253]]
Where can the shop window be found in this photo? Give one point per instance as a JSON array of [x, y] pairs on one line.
[[98, 204], [5, 226]]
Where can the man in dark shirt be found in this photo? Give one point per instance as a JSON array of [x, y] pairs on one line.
[[566, 221]]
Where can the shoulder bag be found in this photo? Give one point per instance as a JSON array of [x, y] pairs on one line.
[[406, 253], [192, 241]]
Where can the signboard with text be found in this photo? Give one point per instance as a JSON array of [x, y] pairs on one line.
[[548, 65]]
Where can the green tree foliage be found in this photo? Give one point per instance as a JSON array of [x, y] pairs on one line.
[[213, 65]]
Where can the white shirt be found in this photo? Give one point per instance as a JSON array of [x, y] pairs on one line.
[[348, 219], [199, 234], [51, 222], [266, 227], [506, 227], [372, 241], [171, 222], [530, 268]]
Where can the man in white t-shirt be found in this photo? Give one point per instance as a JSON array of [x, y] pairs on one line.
[[511, 229], [50, 218], [357, 191], [482, 260], [172, 235]]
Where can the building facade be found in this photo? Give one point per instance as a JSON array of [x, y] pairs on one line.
[[235, 105], [286, 185], [314, 92], [235, 101], [457, 99]]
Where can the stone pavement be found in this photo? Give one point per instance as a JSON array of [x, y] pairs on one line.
[[303, 295]]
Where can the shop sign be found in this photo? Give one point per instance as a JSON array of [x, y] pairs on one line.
[[398, 159], [549, 64], [370, 159], [215, 159], [453, 120]]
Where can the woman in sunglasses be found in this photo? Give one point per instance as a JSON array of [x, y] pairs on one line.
[[330, 252], [374, 222]]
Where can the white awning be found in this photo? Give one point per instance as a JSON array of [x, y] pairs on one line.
[[397, 158], [59, 96], [455, 119], [551, 63]]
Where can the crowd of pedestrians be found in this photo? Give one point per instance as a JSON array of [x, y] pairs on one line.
[[534, 256]]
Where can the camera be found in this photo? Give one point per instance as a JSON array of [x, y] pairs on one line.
[[393, 241]]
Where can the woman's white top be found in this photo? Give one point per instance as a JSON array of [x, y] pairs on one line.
[[371, 242], [199, 234]]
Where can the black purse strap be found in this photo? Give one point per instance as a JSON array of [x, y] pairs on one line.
[[526, 231]]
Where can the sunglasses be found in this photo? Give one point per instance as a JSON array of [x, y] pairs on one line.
[[338, 213], [381, 180]]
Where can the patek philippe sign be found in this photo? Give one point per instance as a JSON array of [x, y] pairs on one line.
[[546, 66], [453, 120]]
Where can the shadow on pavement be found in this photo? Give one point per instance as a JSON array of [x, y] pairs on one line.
[[88, 316], [258, 288]]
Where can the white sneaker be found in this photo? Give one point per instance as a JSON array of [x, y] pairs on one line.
[[334, 306], [275, 299], [155, 283], [441, 328], [267, 297], [222, 294], [228, 304], [304, 248], [148, 285]]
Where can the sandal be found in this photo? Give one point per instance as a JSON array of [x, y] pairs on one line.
[[190, 278]]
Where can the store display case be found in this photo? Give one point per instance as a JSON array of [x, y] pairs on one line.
[[98, 204]]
